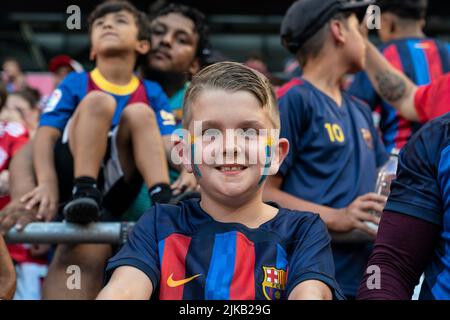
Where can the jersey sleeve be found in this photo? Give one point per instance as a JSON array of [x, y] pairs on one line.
[[62, 102], [312, 258], [362, 88], [292, 117], [416, 191], [141, 250], [160, 104], [433, 100]]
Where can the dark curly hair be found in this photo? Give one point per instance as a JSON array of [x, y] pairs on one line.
[[200, 26], [140, 17]]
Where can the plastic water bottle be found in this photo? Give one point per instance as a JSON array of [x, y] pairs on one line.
[[385, 176]]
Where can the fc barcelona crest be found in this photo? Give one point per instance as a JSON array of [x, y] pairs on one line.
[[367, 136], [274, 283]]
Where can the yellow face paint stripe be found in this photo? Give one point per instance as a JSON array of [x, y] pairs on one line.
[[110, 87]]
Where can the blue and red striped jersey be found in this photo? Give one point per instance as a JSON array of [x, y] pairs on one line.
[[422, 60], [64, 100], [188, 255], [422, 190]]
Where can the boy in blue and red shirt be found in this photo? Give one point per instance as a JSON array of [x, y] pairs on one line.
[[107, 122], [230, 244]]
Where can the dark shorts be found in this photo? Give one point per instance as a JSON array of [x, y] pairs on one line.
[[118, 194]]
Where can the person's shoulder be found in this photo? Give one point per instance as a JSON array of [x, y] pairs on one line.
[[183, 217], [153, 88], [73, 77], [294, 224], [435, 133], [293, 86]]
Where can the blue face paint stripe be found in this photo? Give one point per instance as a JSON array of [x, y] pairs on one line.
[[267, 164], [420, 62], [194, 165], [221, 267]]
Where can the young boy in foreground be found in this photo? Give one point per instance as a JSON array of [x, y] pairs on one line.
[[230, 244]]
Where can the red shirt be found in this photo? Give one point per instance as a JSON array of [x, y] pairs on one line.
[[433, 100], [13, 135]]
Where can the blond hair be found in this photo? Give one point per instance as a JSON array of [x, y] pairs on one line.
[[232, 77]]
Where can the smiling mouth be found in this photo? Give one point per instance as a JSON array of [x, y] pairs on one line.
[[231, 169]]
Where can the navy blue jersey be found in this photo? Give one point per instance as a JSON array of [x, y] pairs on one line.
[[421, 60], [422, 190], [188, 255], [334, 155], [64, 100]]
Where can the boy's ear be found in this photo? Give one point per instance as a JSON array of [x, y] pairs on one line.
[[337, 31], [195, 66], [182, 151], [143, 47], [280, 151]]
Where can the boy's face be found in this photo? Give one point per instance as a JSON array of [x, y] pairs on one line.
[[355, 46], [115, 33], [174, 44], [232, 143]]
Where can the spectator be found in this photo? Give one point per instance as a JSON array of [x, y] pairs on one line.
[[179, 42], [335, 149], [13, 75], [60, 66], [405, 46], [26, 103], [235, 245], [91, 257]]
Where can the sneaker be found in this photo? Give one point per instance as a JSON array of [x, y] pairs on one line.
[[84, 206]]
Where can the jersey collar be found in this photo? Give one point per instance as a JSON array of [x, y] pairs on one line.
[[121, 90]]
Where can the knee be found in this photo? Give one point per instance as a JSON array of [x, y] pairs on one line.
[[139, 113], [98, 104]]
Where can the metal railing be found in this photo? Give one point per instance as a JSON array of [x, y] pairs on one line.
[[111, 232]]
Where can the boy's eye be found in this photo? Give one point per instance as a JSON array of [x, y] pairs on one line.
[[122, 20], [249, 133], [158, 31], [183, 40], [212, 133], [98, 23]]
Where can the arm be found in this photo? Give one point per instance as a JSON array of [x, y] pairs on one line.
[[339, 220], [392, 85], [22, 180], [402, 250], [46, 192], [7, 273], [127, 283], [311, 290]]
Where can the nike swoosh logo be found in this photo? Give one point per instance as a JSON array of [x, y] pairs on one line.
[[176, 283]]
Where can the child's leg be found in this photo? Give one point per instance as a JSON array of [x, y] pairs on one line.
[[88, 141], [88, 134], [91, 260], [140, 147]]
